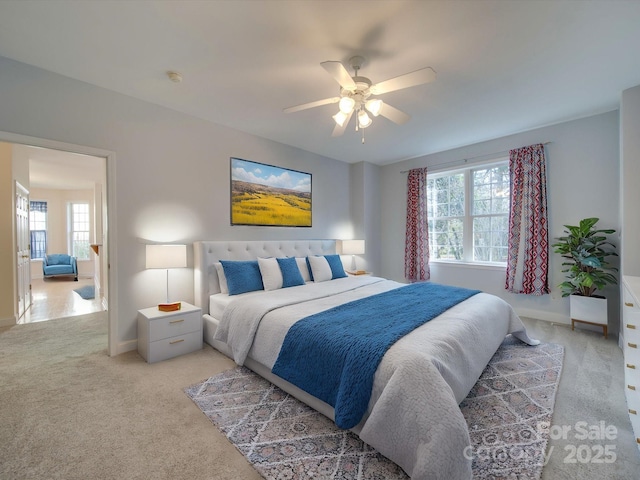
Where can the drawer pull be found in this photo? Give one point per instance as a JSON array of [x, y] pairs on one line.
[[633, 345], [631, 366], [631, 326], [631, 387], [628, 304], [637, 440], [632, 411], [177, 321], [182, 340]]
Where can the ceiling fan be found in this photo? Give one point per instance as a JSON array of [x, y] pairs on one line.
[[356, 95]]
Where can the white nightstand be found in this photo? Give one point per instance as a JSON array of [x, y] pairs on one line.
[[163, 335]]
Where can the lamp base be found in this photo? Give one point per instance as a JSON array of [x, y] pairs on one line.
[[169, 307]]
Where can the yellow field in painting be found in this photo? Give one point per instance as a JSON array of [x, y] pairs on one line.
[[259, 208]]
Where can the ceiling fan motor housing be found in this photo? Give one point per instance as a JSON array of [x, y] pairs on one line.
[[361, 92]]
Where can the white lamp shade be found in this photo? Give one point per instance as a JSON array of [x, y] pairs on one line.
[[166, 256], [353, 247], [374, 106], [340, 118], [363, 119], [346, 105]]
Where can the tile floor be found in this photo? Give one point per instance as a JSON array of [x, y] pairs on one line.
[[55, 298]]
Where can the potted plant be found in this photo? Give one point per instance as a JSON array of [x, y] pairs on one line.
[[586, 250]]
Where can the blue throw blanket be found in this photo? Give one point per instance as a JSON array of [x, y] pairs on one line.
[[333, 355]]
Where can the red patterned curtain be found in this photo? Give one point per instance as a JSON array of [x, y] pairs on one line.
[[528, 255], [416, 249]]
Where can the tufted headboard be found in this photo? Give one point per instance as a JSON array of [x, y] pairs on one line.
[[207, 253]]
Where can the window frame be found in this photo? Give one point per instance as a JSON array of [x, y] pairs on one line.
[[33, 223], [468, 218], [71, 229]]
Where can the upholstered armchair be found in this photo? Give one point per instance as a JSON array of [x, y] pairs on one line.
[[58, 264]]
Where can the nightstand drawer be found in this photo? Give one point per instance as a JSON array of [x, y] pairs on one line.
[[176, 324], [174, 346]]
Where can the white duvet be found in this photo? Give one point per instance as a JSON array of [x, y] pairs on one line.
[[413, 416]]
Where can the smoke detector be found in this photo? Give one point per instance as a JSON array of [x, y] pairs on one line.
[[175, 77]]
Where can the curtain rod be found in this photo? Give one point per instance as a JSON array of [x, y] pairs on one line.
[[465, 160]]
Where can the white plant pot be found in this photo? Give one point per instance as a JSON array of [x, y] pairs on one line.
[[588, 309]]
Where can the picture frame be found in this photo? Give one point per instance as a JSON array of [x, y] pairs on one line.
[[267, 195]]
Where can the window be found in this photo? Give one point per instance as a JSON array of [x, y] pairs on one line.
[[38, 228], [79, 230], [468, 214]]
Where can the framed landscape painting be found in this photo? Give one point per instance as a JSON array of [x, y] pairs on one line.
[[269, 196]]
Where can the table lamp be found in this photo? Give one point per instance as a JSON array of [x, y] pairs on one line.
[[353, 248], [167, 256]]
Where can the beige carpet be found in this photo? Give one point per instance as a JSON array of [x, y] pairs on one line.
[[68, 411]]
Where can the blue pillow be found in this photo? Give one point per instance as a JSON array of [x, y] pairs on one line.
[[309, 268], [291, 275], [242, 276], [337, 270]]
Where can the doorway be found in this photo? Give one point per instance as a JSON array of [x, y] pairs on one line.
[[65, 164], [65, 193]]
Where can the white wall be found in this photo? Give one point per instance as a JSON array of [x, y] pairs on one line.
[[582, 181], [171, 177], [630, 172]]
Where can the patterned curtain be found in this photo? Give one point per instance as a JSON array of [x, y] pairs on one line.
[[528, 255], [36, 206], [416, 250], [38, 244]]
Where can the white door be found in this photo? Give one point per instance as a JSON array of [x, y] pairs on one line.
[[23, 246]]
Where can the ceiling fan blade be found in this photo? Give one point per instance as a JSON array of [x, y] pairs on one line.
[[339, 130], [419, 77], [317, 103], [337, 71], [393, 114]]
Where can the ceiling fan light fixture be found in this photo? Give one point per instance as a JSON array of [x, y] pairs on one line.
[[363, 119], [374, 106], [340, 118], [346, 105]]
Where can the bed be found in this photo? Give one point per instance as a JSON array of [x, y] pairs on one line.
[[412, 414]]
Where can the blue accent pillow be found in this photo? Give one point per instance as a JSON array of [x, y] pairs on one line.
[[291, 275], [309, 268], [242, 276], [337, 269]]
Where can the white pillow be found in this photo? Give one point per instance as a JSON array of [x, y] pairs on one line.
[[222, 280], [304, 270], [271, 273], [320, 269]]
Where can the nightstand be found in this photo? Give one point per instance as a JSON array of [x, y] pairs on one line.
[[163, 335], [357, 273]]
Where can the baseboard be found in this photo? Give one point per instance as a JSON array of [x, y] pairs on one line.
[[127, 346], [542, 315], [7, 322]]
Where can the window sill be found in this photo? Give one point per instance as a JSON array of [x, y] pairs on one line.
[[481, 266]]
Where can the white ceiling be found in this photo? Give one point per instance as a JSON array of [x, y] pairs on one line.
[[503, 66]]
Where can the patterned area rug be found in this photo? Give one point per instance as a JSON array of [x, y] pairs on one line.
[[508, 412]]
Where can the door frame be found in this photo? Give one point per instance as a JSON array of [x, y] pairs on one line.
[[111, 251]]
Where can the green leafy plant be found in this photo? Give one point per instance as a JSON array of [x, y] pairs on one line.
[[586, 250]]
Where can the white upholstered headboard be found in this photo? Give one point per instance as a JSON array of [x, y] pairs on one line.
[[206, 253]]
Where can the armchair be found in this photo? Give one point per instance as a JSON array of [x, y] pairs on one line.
[[58, 264]]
